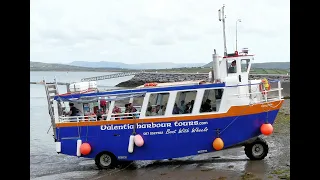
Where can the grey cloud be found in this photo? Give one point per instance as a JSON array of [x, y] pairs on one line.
[[162, 41], [188, 37], [258, 31], [60, 30]]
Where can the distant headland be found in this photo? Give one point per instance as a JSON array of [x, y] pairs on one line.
[[257, 68]]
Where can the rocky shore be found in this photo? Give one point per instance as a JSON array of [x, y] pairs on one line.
[[142, 78]]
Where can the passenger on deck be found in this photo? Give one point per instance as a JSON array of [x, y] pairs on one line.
[[206, 107], [182, 107], [176, 109], [103, 104], [154, 111], [126, 108], [158, 110], [115, 111], [232, 68], [131, 108], [149, 109], [187, 109], [99, 114], [73, 110]]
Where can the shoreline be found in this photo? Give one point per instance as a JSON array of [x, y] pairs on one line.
[[86, 70], [172, 70], [142, 78]]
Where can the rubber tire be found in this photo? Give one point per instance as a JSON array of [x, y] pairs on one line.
[[248, 149], [114, 161]]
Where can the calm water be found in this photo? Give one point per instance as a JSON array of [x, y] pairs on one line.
[[45, 163]]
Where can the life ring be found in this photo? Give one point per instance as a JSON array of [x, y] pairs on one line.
[[264, 86], [150, 84], [86, 91]]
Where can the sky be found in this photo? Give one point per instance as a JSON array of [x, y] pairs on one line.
[[147, 31]]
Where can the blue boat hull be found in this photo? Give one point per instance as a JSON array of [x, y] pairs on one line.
[[170, 140]]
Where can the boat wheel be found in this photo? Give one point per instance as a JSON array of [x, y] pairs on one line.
[[105, 160], [256, 150]]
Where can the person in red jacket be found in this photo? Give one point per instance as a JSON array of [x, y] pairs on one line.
[[103, 104]]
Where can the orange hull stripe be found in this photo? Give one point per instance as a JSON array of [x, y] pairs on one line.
[[233, 111]]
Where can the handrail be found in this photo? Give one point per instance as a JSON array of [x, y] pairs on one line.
[[124, 115], [77, 118], [273, 81], [94, 117], [265, 94], [259, 92]]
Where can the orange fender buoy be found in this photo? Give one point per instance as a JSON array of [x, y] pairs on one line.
[[266, 129], [85, 148], [218, 144]]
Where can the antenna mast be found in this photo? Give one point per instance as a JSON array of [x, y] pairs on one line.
[[222, 18]]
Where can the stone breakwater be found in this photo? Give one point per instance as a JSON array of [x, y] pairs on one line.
[[142, 78]]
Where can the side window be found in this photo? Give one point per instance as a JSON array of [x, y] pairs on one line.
[[119, 110], [232, 66], [244, 65], [211, 100], [184, 102], [157, 104], [137, 103], [119, 106]]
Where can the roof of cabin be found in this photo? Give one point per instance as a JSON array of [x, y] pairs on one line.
[[165, 87], [196, 82]]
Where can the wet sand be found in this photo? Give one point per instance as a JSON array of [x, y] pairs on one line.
[[227, 164]]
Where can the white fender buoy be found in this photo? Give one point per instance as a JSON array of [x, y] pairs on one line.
[[58, 147], [79, 142], [138, 140], [131, 144]]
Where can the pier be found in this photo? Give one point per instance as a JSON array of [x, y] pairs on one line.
[[109, 76], [163, 76], [58, 83]]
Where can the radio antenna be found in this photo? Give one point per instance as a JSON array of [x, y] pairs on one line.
[[222, 18]]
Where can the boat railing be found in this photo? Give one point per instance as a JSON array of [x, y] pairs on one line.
[[274, 93], [120, 116], [77, 118], [114, 116]]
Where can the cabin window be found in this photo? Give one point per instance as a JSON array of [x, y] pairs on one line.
[[244, 65], [119, 106], [211, 100], [157, 104], [232, 66], [137, 103], [123, 109], [184, 102]]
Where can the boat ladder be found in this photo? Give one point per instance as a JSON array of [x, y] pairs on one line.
[[51, 91]]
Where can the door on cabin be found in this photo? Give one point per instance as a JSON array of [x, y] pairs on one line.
[[244, 75]]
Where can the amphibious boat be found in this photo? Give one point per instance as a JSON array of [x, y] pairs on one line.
[[168, 120]]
